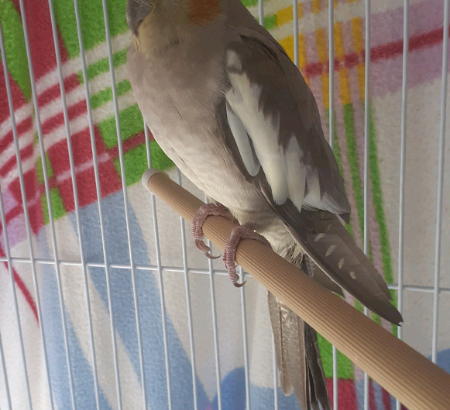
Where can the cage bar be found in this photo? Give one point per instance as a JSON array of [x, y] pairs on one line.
[[50, 207], [188, 302], [366, 161], [440, 193], [76, 202], [125, 204], [402, 371], [99, 200], [8, 258], [159, 269], [27, 221]]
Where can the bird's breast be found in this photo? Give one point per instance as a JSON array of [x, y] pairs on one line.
[[177, 98]]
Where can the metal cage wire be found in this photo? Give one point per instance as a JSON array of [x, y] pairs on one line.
[[185, 270]]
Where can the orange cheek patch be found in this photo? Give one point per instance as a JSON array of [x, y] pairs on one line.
[[203, 12]]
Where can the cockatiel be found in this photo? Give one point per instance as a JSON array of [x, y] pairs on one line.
[[228, 106]]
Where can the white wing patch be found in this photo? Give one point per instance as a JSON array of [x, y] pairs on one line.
[[296, 172], [243, 142], [283, 168], [313, 198]]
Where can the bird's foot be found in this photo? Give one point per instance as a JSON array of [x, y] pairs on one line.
[[245, 231], [199, 219]]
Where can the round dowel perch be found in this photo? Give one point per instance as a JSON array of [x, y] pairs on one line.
[[410, 377]]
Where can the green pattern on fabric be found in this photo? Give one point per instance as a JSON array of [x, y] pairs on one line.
[[345, 366], [131, 122], [58, 208], [349, 123], [40, 171], [91, 20], [357, 184], [338, 156], [106, 95], [270, 21], [135, 162], [249, 3], [377, 195], [102, 66], [16, 56], [159, 159]]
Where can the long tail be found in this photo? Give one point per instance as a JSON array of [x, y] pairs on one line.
[[333, 249], [298, 357]]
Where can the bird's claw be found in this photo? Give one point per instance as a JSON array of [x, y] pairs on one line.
[[245, 231], [200, 243], [199, 219]]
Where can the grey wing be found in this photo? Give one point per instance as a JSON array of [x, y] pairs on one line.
[[278, 131], [270, 122]]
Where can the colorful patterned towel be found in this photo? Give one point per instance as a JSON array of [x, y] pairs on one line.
[[224, 332]]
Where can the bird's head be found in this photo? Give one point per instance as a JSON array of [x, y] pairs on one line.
[[156, 23]]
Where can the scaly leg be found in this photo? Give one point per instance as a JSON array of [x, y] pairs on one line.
[[245, 231]]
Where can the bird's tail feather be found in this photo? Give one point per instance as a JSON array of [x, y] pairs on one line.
[[334, 250], [298, 357]]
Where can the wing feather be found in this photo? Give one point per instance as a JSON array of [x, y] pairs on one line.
[[298, 173], [294, 156]]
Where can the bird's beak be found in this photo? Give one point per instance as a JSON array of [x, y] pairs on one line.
[[137, 11]]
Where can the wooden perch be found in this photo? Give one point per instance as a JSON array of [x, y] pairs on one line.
[[410, 377]]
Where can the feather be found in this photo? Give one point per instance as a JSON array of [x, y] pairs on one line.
[[298, 357], [334, 250], [299, 175], [282, 123], [277, 329], [243, 142]]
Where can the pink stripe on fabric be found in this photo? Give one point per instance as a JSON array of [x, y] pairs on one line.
[[424, 65], [387, 27]]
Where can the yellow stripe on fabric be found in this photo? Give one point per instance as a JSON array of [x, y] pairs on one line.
[[358, 38], [286, 15], [343, 72], [316, 6], [322, 49], [288, 44], [302, 56]]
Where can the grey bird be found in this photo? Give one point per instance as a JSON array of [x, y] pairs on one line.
[[227, 105]]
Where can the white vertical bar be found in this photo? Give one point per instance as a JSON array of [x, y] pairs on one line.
[[147, 146], [125, 202], [75, 196], [5, 374], [27, 219], [366, 162], [295, 27], [331, 141], [188, 301], [335, 380], [49, 205], [99, 200], [245, 340], [275, 375], [5, 230], [261, 21], [261, 12], [401, 211], [215, 330], [331, 72], [160, 277], [437, 259]]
